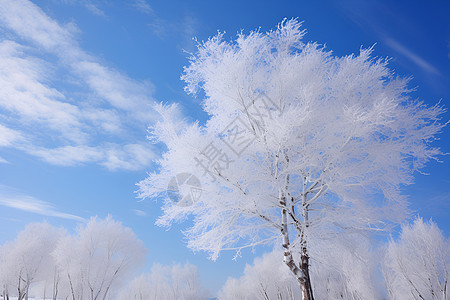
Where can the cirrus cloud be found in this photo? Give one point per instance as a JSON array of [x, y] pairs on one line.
[[63, 105], [10, 198]]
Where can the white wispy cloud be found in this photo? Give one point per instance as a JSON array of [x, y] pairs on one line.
[[184, 30], [8, 136], [130, 157], [67, 155], [143, 6], [413, 57], [30, 22], [94, 9], [12, 199], [139, 212], [120, 91], [111, 156], [378, 18], [60, 103], [26, 94]]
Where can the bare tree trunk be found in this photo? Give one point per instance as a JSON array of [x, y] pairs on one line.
[[71, 287], [304, 266], [302, 273], [27, 290], [19, 290], [55, 284], [264, 292]]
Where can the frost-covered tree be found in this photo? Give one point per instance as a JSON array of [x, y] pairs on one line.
[[27, 260], [98, 258], [346, 267], [5, 279], [299, 145], [266, 279], [69, 268], [164, 282], [44, 262], [417, 265]]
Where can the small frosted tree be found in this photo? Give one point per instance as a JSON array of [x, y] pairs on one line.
[[98, 259], [265, 279], [27, 260], [299, 145], [5, 278], [417, 265], [346, 267], [166, 282]]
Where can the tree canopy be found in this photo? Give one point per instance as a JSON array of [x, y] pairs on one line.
[[299, 144]]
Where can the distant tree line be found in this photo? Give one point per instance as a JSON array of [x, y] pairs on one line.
[[45, 262], [101, 259]]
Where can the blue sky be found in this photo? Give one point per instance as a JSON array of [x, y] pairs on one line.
[[78, 79]]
